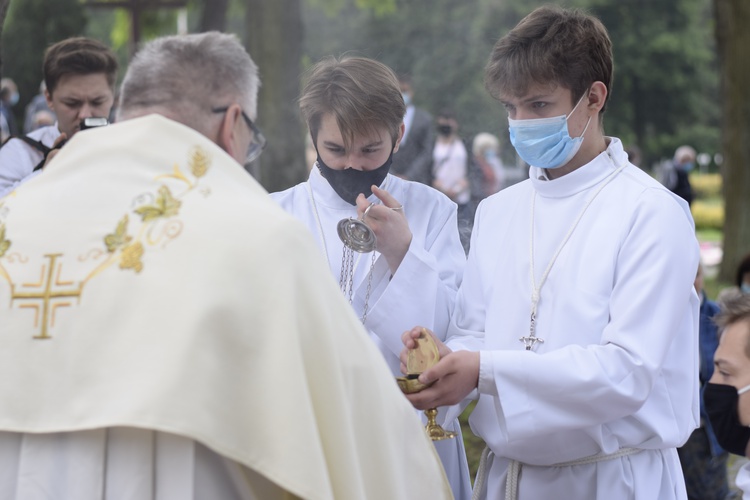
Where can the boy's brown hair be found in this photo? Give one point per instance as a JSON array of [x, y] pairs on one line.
[[78, 56], [362, 94], [551, 46]]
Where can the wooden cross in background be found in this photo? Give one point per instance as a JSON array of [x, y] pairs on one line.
[[135, 8]]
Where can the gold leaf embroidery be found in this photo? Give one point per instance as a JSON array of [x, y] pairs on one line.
[[4, 244], [166, 206], [120, 237], [176, 174], [131, 257], [199, 162]]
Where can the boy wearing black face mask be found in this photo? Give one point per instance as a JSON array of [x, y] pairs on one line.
[[354, 110], [727, 406], [703, 461]]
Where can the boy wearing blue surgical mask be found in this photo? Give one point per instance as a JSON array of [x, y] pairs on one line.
[[576, 324]]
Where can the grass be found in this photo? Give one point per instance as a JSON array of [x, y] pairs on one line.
[[473, 444]]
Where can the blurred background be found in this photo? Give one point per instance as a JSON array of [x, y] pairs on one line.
[[680, 75]]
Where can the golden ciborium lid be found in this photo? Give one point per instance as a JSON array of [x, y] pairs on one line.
[[419, 359]]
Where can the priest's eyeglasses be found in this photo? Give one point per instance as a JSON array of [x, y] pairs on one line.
[[258, 143]]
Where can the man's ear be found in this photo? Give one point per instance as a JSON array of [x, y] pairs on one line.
[[227, 137], [48, 98], [597, 96]]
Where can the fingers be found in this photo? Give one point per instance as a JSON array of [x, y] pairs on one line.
[[435, 373], [362, 204], [409, 338], [388, 200], [376, 210], [450, 381]]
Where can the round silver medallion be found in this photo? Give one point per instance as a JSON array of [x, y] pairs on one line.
[[356, 235]]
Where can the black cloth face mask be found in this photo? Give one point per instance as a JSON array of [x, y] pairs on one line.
[[721, 405], [349, 182], [445, 130]]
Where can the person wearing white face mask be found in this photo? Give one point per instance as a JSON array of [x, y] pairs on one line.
[[576, 324]]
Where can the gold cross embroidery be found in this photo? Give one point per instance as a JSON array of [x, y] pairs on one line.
[[47, 298]]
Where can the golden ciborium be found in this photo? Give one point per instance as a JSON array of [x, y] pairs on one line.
[[419, 359]]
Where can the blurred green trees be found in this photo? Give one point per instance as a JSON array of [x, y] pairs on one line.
[[26, 35]]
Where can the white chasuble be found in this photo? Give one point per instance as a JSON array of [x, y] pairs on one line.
[[147, 282], [619, 319]]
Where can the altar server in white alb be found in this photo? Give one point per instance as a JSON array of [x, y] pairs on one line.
[[168, 332], [576, 322], [354, 110]]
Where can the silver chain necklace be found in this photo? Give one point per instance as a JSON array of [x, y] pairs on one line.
[[356, 237], [531, 341]]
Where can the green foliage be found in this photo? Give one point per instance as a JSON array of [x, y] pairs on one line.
[[666, 85], [666, 80], [120, 34], [437, 42], [333, 8], [26, 35], [153, 23]]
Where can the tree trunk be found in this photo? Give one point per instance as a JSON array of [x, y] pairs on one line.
[[733, 40], [274, 41], [214, 15], [4, 4]]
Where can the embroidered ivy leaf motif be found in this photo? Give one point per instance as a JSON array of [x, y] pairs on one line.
[[131, 257], [166, 205], [4, 244], [120, 237], [199, 162]]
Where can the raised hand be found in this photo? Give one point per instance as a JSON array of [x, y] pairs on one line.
[[389, 224]]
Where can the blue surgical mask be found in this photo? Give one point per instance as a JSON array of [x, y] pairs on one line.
[[688, 166], [745, 288], [407, 98], [546, 142], [14, 98]]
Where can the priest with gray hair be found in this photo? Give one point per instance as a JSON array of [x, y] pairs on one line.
[[167, 331]]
